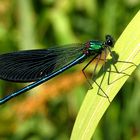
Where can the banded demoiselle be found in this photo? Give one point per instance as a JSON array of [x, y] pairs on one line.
[[38, 66]]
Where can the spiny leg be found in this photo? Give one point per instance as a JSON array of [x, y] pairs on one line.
[[104, 60], [109, 71], [104, 69], [97, 62], [83, 70], [116, 71]]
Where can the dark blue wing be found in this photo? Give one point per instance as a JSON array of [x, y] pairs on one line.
[[31, 65]]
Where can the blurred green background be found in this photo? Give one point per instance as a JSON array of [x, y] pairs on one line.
[[48, 112]]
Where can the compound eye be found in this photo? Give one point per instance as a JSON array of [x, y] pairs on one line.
[[109, 40]]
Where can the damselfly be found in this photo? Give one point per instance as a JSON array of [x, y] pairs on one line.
[[38, 66]]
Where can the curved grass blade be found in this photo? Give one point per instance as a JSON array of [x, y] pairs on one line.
[[94, 106]]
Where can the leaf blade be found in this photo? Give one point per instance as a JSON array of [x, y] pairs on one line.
[[94, 106]]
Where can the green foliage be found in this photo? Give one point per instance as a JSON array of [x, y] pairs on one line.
[[27, 24]]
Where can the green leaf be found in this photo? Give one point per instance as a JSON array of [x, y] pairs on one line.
[[94, 106]]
